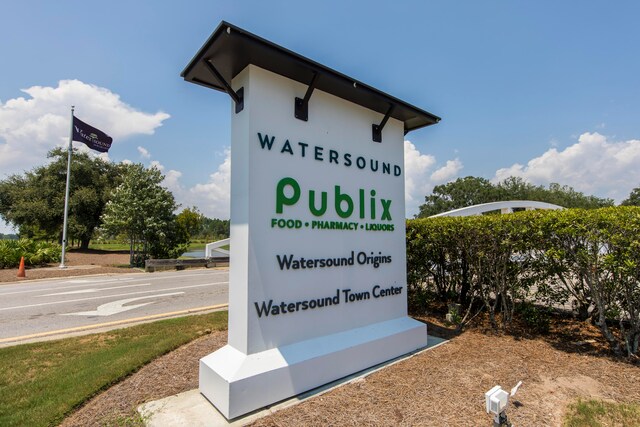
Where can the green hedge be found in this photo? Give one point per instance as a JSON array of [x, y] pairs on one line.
[[497, 263], [34, 253]]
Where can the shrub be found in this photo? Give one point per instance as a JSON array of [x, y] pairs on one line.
[[536, 318], [590, 258], [34, 253]]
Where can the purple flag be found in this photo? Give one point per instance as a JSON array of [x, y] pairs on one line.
[[92, 137]]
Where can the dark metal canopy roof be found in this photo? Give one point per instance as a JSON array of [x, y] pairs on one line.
[[230, 49]]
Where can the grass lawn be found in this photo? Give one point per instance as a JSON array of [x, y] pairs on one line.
[[197, 246], [109, 246], [596, 413], [125, 246], [42, 382]]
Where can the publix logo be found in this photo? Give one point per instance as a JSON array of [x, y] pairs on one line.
[[365, 204]]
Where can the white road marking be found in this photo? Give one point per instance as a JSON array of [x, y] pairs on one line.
[[93, 290], [55, 287], [116, 307], [107, 296], [92, 280]]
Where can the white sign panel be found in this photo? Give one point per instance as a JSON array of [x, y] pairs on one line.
[[317, 286]]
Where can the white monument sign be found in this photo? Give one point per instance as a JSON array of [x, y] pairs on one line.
[[317, 286]]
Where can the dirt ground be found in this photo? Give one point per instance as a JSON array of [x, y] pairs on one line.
[[444, 386], [80, 263]]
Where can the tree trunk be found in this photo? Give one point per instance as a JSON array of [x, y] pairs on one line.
[[582, 311], [466, 286], [131, 252], [597, 295], [84, 244]]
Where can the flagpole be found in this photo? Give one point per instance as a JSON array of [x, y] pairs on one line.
[[66, 194]]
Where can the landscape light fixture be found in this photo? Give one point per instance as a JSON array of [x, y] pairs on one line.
[[496, 401]]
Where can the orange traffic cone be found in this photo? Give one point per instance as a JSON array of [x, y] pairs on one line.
[[21, 272]]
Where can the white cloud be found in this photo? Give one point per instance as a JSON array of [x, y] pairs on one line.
[[172, 182], [156, 164], [6, 228], [171, 178], [144, 153], [594, 165], [32, 125], [213, 198], [420, 176], [447, 172]]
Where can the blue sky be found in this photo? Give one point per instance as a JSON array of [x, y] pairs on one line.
[[546, 90]]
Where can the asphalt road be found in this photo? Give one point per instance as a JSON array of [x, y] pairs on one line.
[[58, 307]]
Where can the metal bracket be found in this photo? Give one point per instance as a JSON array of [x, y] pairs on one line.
[[302, 105], [376, 130], [237, 96]]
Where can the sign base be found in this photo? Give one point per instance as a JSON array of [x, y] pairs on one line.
[[237, 383]]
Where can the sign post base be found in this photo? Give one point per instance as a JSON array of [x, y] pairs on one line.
[[237, 383]]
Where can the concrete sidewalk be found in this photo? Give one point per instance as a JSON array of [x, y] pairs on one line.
[[192, 409]]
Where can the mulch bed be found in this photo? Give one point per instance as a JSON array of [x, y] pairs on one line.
[[444, 386], [91, 261]]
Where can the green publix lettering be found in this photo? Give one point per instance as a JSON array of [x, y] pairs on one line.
[[343, 203]]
